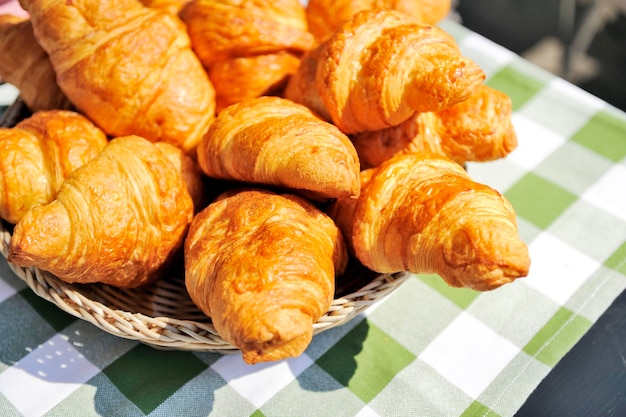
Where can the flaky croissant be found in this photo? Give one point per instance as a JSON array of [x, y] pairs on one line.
[[237, 79], [403, 68], [325, 16], [26, 65], [273, 141], [422, 213], [478, 129], [234, 28], [127, 67], [38, 154], [262, 266], [118, 220], [249, 47]]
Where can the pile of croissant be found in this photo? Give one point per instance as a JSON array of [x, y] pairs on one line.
[[267, 142]]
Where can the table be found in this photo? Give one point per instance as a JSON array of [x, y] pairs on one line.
[[425, 350]]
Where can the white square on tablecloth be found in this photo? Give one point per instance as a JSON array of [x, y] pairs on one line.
[[367, 412], [557, 270], [469, 354], [258, 383], [535, 142], [609, 192], [45, 377]]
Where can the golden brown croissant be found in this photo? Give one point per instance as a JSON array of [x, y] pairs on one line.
[[233, 28], [325, 16], [118, 219], [26, 65], [38, 154], [403, 68], [478, 129], [273, 141], [248, 47], [422, 213], [262, 266], [252, 76], [127, 67]]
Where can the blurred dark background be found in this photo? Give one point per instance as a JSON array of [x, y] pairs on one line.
[[583, 41]]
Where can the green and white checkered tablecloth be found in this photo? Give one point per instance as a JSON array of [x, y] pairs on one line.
[[426, 350]]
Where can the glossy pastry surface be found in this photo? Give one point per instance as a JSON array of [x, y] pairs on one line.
[[117, 220], [249, 47], [234, 28], [478, 129], [325, 16], [422, 213], [38, 154], [129, 68], [262, 266], [273, 141], [381, 67]]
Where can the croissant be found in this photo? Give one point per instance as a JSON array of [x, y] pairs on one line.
[[325, 16], [26, 65], [273, 141], [262, 266], [127, 67], [118, 220], [234, 28], [249, 47], [478, 129], [38, 154], [240, 78], [403, 68], [422, 213]]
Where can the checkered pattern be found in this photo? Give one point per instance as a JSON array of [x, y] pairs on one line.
[[427, 349]]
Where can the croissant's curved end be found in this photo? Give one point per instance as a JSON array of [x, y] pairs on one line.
[[470, 262], [34, 246], [285, 335]]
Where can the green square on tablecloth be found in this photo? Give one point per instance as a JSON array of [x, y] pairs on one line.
[[604, 134], [517, 85], [56, 317], [617, 260], [365, 360], [538, 200], [150, 368], [557, 337], [462, 297]]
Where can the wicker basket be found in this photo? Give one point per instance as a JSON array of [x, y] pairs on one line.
[[163, 315]]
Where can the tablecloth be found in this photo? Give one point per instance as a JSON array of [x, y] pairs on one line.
[[426, 349]]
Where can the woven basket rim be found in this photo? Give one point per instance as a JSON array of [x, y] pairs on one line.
[[111, 309]]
